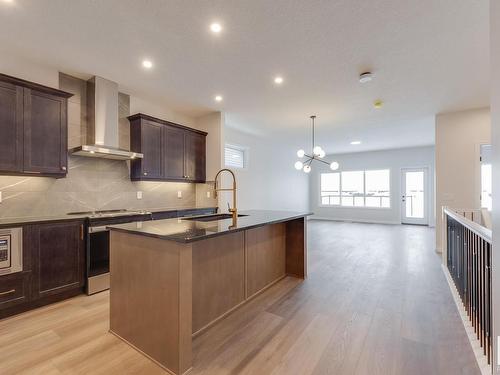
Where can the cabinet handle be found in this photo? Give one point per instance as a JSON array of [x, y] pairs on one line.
[[33, 172], [81, 232], [7, 292]]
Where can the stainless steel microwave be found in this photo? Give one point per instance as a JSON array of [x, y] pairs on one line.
[[11, 250]]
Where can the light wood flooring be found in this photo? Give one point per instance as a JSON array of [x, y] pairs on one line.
[[375, 302]]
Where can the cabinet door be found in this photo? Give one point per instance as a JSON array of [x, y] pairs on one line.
[[59, 249], [151, 148], [173, 153], [195, 156], [45, 133], [11, 128]]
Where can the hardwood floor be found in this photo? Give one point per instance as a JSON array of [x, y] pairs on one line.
[[375, 302]]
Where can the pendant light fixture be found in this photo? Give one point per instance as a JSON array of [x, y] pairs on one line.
[[317, 154]]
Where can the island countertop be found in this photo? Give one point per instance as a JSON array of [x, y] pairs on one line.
[[187, 230]]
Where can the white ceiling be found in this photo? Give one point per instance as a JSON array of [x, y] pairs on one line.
[[428, 56]]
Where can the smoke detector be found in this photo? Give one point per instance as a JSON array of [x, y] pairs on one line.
[[365, 77]]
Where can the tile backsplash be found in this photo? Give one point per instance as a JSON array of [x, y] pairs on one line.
[[91, 183]]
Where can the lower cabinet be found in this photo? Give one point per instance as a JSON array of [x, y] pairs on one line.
[[53, 267], [60, 253], [14, 289]]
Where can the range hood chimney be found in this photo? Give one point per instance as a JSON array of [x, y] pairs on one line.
[[102, 125]]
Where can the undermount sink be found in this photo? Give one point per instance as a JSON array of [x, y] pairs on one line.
[[212, 217]]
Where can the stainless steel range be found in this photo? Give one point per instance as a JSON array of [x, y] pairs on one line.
[[98, 242]]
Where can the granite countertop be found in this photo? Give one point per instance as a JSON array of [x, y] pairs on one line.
[[185, 231], [17, 221]]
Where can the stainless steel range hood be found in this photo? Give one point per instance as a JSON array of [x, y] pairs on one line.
[[102, 125]]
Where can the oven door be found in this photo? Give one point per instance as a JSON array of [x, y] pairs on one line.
[[98, 260]]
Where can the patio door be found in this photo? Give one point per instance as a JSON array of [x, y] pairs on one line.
[[414, 196]]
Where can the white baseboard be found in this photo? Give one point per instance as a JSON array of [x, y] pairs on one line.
[[481, 360], [315, 217]]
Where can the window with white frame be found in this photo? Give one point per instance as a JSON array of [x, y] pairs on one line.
[[370, 188], [235, 156]]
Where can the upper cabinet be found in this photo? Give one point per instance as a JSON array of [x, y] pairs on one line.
[[33, 124], [172, 152]]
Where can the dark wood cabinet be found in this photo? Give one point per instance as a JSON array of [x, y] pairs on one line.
[[173, 153], [60, 256], [53, 267], [11, 128], [33, 124], [195, 156], [146, 138], [45, 128], [181, 151]]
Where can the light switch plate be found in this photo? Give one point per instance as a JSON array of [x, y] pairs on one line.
[[208, 194], [0, 197], [139, 195], [179, 194]]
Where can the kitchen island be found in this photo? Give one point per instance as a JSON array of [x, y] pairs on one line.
[[173, 279]]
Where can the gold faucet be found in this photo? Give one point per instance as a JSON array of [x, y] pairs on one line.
[[233, 210]]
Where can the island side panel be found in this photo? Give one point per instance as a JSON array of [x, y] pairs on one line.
[[150, 297], [296, 247], [266, 256], [218, 277]]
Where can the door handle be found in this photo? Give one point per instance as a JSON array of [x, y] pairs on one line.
[[7, 292]]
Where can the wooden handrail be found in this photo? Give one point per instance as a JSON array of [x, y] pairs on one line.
[[481, 231]]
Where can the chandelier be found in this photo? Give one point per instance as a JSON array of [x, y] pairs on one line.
[[317, 154]]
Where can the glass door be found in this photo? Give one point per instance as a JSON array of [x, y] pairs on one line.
[[414, 196]]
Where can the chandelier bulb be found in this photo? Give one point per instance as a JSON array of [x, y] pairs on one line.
[[334, 165], [307, 168], [298, 165], [317, 150], [301, 153]]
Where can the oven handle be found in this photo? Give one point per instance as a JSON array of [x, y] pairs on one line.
[[98, 229]]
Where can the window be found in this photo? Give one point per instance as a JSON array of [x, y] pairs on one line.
[[235, 156], [356, 189], [377, 187], [330, 188], [352, 189]]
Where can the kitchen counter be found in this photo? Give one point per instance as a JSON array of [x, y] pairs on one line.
[[18, 221], [188, 230], [173, 279]]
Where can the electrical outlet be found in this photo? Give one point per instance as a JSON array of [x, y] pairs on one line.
[[179, 194], [139, 195], [208, 194]]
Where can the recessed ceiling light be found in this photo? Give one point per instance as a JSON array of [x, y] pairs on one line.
[[278, 80], [355, 142], [216, 27], [218, 98], [377, 104], [365, 77], [148, 64], [8, 1]]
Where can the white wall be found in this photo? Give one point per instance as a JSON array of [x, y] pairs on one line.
[[270, 182], [495, 136], [386, 159], [459, 136]]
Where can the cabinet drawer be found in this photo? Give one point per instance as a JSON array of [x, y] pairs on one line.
[[13, 289]]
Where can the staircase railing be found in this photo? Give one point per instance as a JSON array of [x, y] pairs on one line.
[[467, 257]]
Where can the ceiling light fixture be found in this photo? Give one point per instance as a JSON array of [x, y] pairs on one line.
[[148, 64], [317, 154], [377, 104], [355, 142], [218, 98], [365, 77], [216, 27], [278, 80]]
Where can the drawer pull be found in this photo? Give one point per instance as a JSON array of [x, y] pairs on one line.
[[7, 292]]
